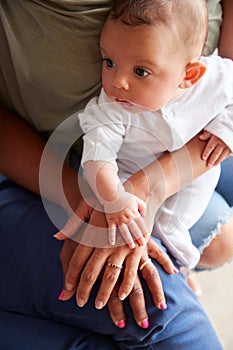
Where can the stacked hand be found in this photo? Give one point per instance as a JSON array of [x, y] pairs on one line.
[[83, 264]]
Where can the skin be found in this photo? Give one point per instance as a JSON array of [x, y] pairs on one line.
[[145, 79], [162, 80], [138, 80], [122, 85], [225, 45], [15, 138]]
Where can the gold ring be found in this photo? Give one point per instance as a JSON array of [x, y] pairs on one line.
[[114, 266], [144, 264]]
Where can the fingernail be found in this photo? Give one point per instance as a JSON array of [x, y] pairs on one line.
[[163, 305], [142, 242], [99, 304], [175, 270], [121, 324], [132, 245], [69, 287], [122, 296], [145, 323], [80, 302], [57, 236], [61, 295]]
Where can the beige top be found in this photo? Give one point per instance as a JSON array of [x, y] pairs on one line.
[[215, 21], [50, 63]]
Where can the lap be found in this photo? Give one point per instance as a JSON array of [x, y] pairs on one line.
[[26, 332], [218, 209], [224, 187], [32, 280]]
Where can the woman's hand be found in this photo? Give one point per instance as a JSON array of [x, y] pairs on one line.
[[73, 257], [95, 254], [81, 280], [152, 186], [99, 261], [96, 262]]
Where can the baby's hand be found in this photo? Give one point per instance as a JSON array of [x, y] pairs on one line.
[[125, 213], [215, 151]]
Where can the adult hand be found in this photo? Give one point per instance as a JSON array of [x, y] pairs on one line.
[[74, 255], [99, 260], [87, 263], [136, 297]]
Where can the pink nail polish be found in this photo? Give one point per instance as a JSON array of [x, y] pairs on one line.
[[61, 295], [163, 305], [145, 323], [175, 270], [121, 324]]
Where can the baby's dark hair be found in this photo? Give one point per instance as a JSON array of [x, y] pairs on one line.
[[189, 18]]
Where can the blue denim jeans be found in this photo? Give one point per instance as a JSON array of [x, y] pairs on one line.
[[31, 280], [218, 210]]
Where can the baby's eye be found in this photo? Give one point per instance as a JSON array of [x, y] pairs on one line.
[[109, 63], [141, 72]]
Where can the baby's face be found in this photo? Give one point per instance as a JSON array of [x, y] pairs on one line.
[[142, 68]]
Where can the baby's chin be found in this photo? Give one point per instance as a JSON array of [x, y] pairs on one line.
[[132, 107]]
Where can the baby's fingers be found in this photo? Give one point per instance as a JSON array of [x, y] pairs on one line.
[[136, 232], [112, 234], [124, 230], [218, 156], [205, 136], [209, 149]]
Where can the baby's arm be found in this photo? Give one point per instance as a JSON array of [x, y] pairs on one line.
[[122, 209], [215, 150]]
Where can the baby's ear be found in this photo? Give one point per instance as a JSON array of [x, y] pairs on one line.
[[194, 72]]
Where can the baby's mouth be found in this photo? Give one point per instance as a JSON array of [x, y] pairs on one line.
[[124, 103]]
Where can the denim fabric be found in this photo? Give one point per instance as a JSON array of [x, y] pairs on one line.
[[218, 210], [31, 280], [20, 332]]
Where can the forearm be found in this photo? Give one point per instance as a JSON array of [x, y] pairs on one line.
[[225, 47], [21, 152], [168, 174], [103, 179]]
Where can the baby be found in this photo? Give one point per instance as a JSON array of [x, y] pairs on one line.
[[158, 93]]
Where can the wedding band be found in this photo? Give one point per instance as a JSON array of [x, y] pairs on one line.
[[144, 264], [114, 266]]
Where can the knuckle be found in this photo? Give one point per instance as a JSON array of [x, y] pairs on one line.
[[130, 273], [151, 274], [137, 291], [140, 313], [162, 253], [114, 301], [74, 265], [88, 277], [163, 256], [110, 277]]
